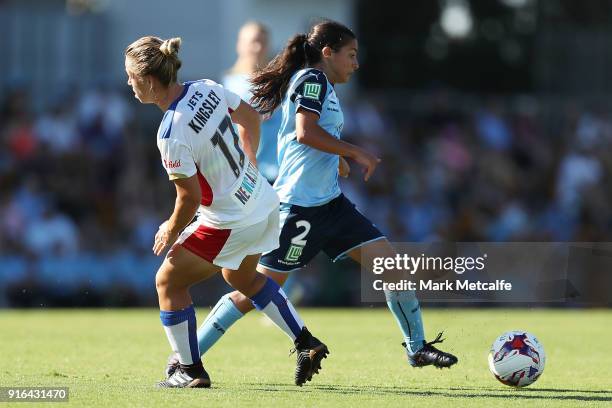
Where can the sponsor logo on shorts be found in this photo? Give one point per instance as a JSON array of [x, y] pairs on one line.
[[294, 253]]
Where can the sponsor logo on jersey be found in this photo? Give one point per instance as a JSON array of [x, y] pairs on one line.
[[249, 181], [172, 164], [312, 90]]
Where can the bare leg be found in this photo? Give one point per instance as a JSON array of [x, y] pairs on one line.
[[378, 248], [180, 270]]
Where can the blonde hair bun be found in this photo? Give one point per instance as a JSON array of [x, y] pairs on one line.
[[171, 46]]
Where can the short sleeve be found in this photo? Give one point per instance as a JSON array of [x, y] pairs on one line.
[[233, 100], [310, 93], [176, 159]]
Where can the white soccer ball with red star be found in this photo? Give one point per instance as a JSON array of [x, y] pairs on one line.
[[517, 358]]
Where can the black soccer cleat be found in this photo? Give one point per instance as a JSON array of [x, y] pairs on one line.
[[180, 379], [172, 365], [310, 352], [429, 355]]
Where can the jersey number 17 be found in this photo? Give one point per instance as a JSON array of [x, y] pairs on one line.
[[217, 141]]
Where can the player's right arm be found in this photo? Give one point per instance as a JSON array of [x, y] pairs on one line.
[[180, 166], [309, 132]]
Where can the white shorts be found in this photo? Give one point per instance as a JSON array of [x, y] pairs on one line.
[[227, 248]]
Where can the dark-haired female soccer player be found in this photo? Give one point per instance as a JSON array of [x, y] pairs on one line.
[[315, 215]]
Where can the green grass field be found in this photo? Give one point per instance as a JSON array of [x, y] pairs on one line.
[[112, 358]]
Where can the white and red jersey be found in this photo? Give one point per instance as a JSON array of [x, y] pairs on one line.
[[196, 136]]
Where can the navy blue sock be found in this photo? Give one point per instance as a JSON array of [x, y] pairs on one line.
[[274, 303]]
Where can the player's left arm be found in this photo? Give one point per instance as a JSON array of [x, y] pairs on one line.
[[249, 129], [309, 132], [188, 196]]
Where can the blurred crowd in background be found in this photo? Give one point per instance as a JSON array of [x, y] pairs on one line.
[[457, 168], [82, 191], [79, 199], [492, 119]]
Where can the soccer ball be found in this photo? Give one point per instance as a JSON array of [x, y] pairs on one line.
[[517, 358]]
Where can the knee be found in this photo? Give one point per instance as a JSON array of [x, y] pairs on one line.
[[242, 283], [164, 284], [278, 277], [401, 296], [161, 282], [238, 298]]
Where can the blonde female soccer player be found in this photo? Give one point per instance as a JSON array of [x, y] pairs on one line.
[[236, 210]]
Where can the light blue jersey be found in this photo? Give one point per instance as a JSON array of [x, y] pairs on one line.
[[308, 177], [267, 152]]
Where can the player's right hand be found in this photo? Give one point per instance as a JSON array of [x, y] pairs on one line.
[[163, 239], [368, 161]]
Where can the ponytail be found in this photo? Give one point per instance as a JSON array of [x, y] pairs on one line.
[[153, 56], [271, 83]]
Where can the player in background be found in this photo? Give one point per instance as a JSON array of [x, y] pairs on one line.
[[315, 215], [216, 181], [252, 49]]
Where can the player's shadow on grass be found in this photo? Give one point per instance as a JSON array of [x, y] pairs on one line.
[[531, 394], [535, 390]]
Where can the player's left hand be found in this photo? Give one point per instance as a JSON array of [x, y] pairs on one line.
[[164, 239], [367, 160], [343, 168]]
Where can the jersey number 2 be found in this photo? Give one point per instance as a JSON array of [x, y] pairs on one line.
[[217, 141]]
